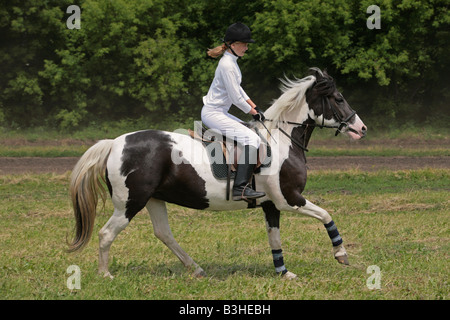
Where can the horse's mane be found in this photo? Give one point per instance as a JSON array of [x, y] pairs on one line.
[[292, 97]]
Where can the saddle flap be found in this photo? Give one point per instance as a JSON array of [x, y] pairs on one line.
[[194, 135], [231, 152]]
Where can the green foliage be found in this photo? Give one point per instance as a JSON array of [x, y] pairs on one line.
[[148, 58], [401, 66]]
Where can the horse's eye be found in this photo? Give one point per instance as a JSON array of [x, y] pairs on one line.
[[339, 100]]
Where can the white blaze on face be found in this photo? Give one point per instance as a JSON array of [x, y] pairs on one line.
[[358, 129]]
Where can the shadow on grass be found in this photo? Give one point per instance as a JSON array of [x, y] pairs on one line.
[[220, 271]]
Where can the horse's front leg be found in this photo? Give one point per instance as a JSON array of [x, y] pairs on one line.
[[307, 208], [272, 215]]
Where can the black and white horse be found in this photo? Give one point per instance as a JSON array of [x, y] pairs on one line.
[[140, 170]]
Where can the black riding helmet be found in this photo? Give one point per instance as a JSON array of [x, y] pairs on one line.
[[238, 32]]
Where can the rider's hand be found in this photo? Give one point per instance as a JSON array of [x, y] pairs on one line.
[[259, 116]]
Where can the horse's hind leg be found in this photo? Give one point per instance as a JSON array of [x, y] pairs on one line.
[[107, 234], [272, 215], [158, 214]]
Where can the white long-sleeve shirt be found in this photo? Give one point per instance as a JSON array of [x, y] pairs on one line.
[[226, 89]]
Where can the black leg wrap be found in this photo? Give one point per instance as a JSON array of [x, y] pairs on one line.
[[333, 233], [278, 261]]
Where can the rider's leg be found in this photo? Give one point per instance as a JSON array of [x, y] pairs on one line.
[[244, 172]]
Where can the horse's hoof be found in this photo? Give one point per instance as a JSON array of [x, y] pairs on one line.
[[106, 274], [342, 260], [289, 276], [199, 273]]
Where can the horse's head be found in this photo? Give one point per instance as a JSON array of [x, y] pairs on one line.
[[330, 107]]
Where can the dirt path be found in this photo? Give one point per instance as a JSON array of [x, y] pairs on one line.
[[377, 163], [62, 165], [12, 165]]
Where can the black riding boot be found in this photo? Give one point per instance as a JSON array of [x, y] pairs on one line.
[[244, 172]]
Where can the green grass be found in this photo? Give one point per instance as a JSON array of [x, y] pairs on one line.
[[398, 221], [44, 151], [112, 129], [402, 141], [376, 151]]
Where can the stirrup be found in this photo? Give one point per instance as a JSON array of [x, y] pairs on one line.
[[247, 197]]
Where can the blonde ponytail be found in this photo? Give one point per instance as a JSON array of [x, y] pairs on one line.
[[217, 51]]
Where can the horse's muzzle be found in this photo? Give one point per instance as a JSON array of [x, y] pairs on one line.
[[356, 130]]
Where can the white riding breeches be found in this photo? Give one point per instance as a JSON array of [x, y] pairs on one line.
[[230, 126]]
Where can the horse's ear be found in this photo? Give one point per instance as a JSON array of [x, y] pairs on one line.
[[316, 72], [326, 75]]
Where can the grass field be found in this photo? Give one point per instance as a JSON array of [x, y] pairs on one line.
[[317, 151], [398, 221], [406, 141]]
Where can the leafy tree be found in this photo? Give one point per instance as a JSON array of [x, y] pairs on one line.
[[124, 57], [391, 71], [141, 58], [29, 32]]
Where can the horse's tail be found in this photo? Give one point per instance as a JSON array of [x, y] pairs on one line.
[[87, 183]]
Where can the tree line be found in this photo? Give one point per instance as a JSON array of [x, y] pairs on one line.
[[142, 58]]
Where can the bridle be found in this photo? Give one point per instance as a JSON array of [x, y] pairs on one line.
[[342, 123]]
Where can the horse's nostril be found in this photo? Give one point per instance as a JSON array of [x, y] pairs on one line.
[[363, 131]]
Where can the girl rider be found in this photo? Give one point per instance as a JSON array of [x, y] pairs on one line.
[[226, 90]]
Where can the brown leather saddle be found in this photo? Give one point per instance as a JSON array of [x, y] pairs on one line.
[[224, 165]]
